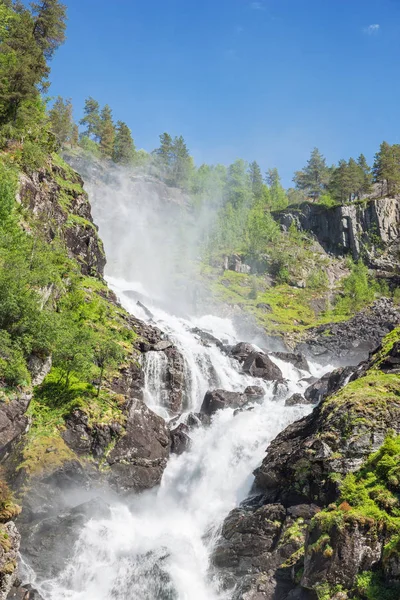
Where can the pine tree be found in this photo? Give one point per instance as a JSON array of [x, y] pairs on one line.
[[75, 136], [340, 185], [314, 177], [256, 180], [181, 163], [49, 25], [278, 197], [165, 153], [60, 116], [366, 177], [386, 168], [238, 188], [106, 132], [91, 120], [124, 147]]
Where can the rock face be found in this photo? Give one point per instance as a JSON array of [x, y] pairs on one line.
[[351, 228], [9, 547], [352, 340], [139, 457], [13, 421], [56, 197], [285, 542]]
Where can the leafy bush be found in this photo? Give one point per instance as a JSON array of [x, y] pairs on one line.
[[358, 290]]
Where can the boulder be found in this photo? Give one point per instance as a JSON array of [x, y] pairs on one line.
[[139, 457], [84, 437], [254, 392], [207, 339], [297, 360], [260, 365], [241, 351], [180, 440], [296, 399], [219, 399]]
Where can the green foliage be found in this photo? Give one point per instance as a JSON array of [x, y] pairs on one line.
[[372, 586], [318, 279], [91, 119], [106, 132], [358, 290], [327, 200]]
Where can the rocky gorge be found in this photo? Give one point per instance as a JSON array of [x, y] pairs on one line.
[[319, 521]]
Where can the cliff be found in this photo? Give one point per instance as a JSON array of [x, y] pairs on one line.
[[369, 229]]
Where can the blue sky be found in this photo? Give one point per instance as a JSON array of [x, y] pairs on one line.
[[263, 81]]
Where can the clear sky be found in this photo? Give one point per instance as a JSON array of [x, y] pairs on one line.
[[263, 81]]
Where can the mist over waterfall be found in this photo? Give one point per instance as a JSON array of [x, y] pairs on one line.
[[157, 545]]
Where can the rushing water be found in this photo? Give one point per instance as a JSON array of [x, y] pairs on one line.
[[158, 546]]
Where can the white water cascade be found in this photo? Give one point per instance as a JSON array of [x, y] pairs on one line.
[[157, 546]]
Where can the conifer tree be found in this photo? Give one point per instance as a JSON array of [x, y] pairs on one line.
[[91, 120], [75, 135], [165, 152], [106, 132], [314, 177], [387, 168], [365, 176], [340, 185], [124, 147], [256, 180], [49, 25], [60, 116], [278, 197], [181, 163]]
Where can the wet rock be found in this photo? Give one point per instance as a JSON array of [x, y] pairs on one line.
[[328, 384], [194, 420], [234, 263], [180, 440], [9, 548], [139, 458], [207, 338], [241, 351], [260, 365], [219, 399], [297, 360], [175, 380], [247, 538], [48, 542], [254, 392], [296, 399], [147, 312], [24, 592]]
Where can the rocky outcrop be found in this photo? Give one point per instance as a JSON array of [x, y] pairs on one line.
[[13, 421], [362, 228], [296, 537], [140, 456], [9, 547], [55, 196], [351, 340]]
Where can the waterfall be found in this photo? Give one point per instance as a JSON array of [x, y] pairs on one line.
[[157, 546]]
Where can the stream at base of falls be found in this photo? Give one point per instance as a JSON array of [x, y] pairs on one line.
[[157, 545]]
